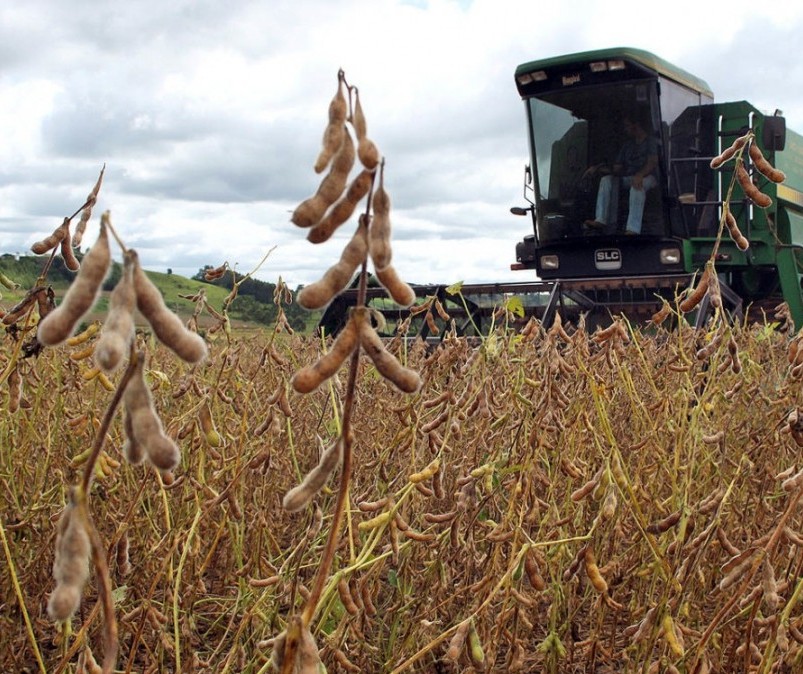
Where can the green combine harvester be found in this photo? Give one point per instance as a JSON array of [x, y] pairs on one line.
[[580, 109]]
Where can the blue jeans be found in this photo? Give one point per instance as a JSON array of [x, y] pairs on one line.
[[608, 200]]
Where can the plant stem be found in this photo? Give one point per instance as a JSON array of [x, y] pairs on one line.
[[21, 599], [345, 476]]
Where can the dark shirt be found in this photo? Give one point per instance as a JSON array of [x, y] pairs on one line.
[[633, 154]]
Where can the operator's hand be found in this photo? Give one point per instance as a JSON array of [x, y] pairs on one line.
[[637, 182]]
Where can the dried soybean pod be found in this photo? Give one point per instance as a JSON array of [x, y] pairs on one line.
[[367, 151], [334, 183], [379, 232], [71, 564], [333, 134], [50, 242], [215, 273], [593, 572], [533, 574], [404, 378], [67, 255], [14, 389], [750, 190], [309, 212], [318, 294], [726, 154], [763, 166], [187, 345], [86, 212], [343, 209], [458, 641], [665, 524], [696, 296], [402, 293], [312, 376], [16, 312], [299, 496], [146, 427], [733, 229], [132, 450], [118, 329], [59, 324], [346, 597]]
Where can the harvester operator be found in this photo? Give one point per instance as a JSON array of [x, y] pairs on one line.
[[634, 169]]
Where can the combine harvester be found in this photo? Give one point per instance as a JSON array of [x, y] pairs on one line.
[[575, 106]]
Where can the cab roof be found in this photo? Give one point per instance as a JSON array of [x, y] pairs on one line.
[[638, 56]]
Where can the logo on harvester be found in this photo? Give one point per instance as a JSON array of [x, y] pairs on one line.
[[608, 258]]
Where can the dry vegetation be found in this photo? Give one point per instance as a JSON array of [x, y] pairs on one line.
[[545, 500], [206, 569]]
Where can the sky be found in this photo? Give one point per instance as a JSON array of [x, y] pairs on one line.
[[209, 115]]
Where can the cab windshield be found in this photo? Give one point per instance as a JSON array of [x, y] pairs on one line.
[[575, 130]]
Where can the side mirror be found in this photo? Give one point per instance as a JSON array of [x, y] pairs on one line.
[[518, 210], [773, 133]]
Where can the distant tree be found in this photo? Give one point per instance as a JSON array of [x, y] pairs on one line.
[[169, 271]]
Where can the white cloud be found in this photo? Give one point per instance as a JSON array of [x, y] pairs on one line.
[[209, 115]]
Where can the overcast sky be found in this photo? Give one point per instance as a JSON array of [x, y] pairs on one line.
[[209, 114]]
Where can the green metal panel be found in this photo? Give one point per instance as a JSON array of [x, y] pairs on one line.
[[639, 56]]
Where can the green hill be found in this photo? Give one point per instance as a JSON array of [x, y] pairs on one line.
[[253, 305]]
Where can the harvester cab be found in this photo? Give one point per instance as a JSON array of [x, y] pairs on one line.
[[613, 246]]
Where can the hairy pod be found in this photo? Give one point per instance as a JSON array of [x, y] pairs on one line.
[[379, 232], [55, 238], [367, 152], [458, 641], [118, 329], [145, 425], [593, 572], [71, 564], [318, 294], [346, 597], [402, 293], [581, 492], [750, 190], [59, 324], [405, 379], [86, 212], [122, 555], [665, 524], [168, 328], [214, 273], [299, 496], [343, 209], [427, 473], [533, 574], [211, 434], [334, 183], [14, 389], [696, 296], [310, 211], [312, 376], [729, 152], [741, 241], [20, 308], [334, 132], [67, 255], [668, 626], [763, 166], [475, 650]]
